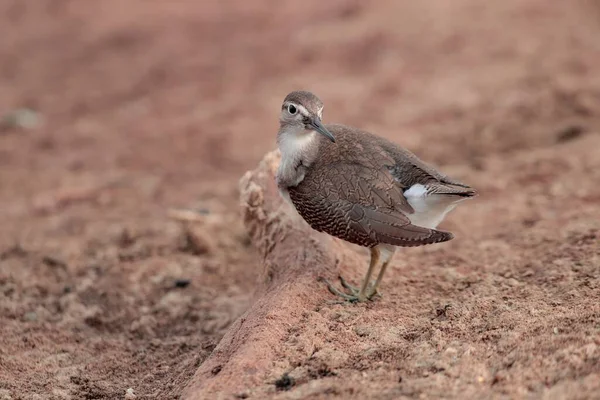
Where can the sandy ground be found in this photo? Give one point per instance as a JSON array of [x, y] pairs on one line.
[[146, 107]]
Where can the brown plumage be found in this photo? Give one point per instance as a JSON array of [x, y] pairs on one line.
[[360, 187], [354, 191]]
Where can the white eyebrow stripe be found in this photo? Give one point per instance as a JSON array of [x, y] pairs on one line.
[[302, 110]]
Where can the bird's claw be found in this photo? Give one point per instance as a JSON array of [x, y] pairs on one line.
[[354, 296]]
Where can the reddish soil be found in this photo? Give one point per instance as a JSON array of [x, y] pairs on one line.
[[148, 107]]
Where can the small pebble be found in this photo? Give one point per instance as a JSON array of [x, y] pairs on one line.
[[22, 118], [129, 395], [362, 331], [182, 283], [286, 382], [31, 316]]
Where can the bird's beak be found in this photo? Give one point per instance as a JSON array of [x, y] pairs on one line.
[[318, 126]]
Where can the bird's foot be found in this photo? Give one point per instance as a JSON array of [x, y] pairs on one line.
[[354, 295], [351, 288], [372, 291]]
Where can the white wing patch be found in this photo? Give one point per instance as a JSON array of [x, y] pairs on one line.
[[430, 209], [416, 191]]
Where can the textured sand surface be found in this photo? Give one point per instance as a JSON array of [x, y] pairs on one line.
[[145, 109]]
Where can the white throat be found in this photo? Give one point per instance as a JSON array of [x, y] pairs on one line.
[[294, 142], [298, 149]]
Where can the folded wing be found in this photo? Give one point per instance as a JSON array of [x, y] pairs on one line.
[[361, 204]]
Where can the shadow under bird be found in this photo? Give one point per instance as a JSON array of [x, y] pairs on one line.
[[359, 187]]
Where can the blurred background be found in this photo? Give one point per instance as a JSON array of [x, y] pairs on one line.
[[114, 113]]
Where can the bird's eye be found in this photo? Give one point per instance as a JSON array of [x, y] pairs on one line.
[[292, 109]]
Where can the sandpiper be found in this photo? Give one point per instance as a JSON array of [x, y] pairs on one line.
[[359, 187]]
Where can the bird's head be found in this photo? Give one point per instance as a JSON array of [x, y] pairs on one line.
[[301, 113]]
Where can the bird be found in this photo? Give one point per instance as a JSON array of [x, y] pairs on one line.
[[360, 187]]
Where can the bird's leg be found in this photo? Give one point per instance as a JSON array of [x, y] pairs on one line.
[[355, 291], [356, 295], [362, 295], [373, 288]]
